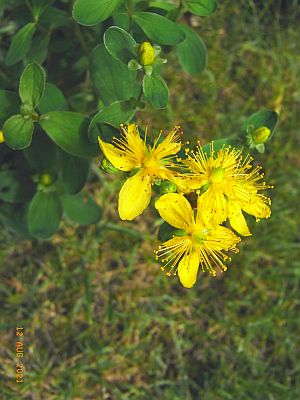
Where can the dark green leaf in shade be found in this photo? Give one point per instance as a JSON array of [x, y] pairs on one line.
[[159, 29], [44, 214], [9, 105], [192, 52], [219, 143], [201, 7], [155, 90], [91, 12], [18, 132], [14, 217], [42, 155], [39, 49], [14, 188], [69, 130], [120, 44], [74, 172], [265, 117], [82, 210], [115, 114], [112, 79], [32, 85], [52, 100], [20, 44]]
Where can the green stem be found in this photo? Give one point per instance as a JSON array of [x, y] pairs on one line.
[[130, 8]]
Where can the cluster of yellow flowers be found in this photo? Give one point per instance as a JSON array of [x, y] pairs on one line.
[[225, 185]]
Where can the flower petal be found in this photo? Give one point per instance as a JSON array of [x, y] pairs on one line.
[[134, 196], [188, 269], [171, 145], [237, 219], [176, 211], [135, 143], [117, 157], [258, 207], [212, 207]]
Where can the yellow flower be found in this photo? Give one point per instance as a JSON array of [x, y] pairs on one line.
[[227, 185], [130, 152], [203, 245], [146, 54], [1, 137]]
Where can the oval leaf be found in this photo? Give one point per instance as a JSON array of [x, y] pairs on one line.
[[20, 44], [115, 114], [17, 132], [192, 52], [14, 188], [74, 172], [32, 85], [120, 44], [44, 214], [81, 210], [155, 90], [69, 130], [112, 79], [9, 105], [52, 100], [201, 7], [159, 29], [91, 12]]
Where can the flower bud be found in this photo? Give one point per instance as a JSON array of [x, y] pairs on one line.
[[261, 135], [146, 54], [167, 187], [107, 166], [45, 179], [1, 137]]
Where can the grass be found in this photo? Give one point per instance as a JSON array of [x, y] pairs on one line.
[[100, 319]]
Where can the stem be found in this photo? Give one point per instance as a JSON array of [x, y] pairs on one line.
[[129, 8], [81, 39]]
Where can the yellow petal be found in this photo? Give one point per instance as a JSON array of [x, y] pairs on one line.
[[134, 196], [176, 211], [237, 219], [212, 207], [258, 207], [135, 143], [171, 145], [118, 158], [188, 269], [1, 137]]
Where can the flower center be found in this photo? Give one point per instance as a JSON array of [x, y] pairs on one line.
[[150, 162], [217, 174], [199, 235]]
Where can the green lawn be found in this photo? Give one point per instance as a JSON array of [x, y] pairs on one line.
[[101, 321]]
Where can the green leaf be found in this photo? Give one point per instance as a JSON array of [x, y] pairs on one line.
[[52, 100], [159, 29], [192, 52], [155, 90], [9, 105], [39, 49], [20, 44], [14, 188], [219, 143], [69, 130], [42, 154], [201, 7], [115, 114], [82, 210], [32, 85], [18, 132], [44, 214], [265, 117], [91, 12], [74, 172], [120, 44], [3, 3], [14, 217], [112, 79]]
